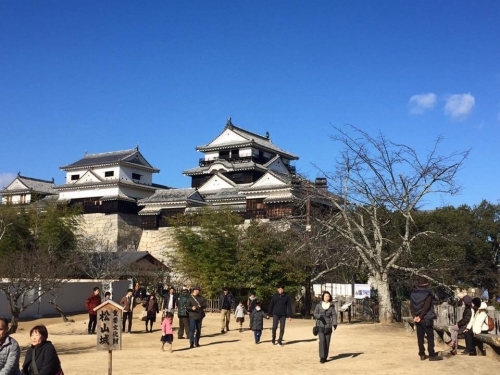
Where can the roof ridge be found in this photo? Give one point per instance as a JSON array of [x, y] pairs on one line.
[[132, 150], [36, 179]]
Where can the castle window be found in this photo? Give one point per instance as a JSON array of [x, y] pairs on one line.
[[75, 177], [109, 173], [136, 176]]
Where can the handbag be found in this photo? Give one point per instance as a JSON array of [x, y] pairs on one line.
[[144, 316], [315, 329]]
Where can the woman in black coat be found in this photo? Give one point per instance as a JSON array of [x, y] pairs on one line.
[[151, 306], [41, 357]]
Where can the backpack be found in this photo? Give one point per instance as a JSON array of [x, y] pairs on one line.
[[491, 324]]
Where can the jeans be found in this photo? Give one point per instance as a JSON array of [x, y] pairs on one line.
[[127, 315], [469, 341], [454, 335], [92, 323], [194, 331], [425, 330], [256, 335], [281, 320]]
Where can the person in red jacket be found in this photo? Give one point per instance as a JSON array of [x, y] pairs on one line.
[[94, 300]]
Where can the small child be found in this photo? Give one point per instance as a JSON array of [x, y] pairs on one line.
[[167, 334], [239, 314], [257, 322], [107, 296]]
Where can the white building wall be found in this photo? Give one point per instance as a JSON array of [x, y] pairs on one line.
[[126, 175], [211, 155], [88, 193]]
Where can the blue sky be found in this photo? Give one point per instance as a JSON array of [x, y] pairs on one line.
[[100, 76]]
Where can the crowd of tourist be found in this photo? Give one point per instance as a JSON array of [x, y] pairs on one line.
[[41, 356]]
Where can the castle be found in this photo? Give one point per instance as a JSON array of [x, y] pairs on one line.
[[124, 210]]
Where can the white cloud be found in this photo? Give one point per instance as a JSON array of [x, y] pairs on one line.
[[459, 106], [421, 103], [6, 179]]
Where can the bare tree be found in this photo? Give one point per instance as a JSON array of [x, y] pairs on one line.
[[376, 179], [27, 276]]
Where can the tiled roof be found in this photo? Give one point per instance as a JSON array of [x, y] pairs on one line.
[[230, 166], [260, 141], [132, 156], [223, 194], [34, 184], [170, 195]]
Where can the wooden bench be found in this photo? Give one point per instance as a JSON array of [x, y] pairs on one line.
[[485, 344]]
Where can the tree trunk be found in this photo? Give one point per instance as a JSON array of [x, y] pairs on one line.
[[61, 312], [384, 298], [14, 323]]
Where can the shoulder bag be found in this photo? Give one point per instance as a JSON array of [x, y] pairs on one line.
[[315, 328]]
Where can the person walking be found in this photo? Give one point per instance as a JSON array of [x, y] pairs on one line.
[[92, 301], [280, 309], [170, 300], [127, 303], [195, 306], [251, 303], [423, 315], [257, 322], [239, 314], [326, 321], [151, 307], [182, 314], [226, 303], [167, 334], [9, 351]]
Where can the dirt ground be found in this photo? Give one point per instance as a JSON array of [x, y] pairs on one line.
[[355, 349]]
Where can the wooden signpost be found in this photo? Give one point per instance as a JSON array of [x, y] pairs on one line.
[[109, 329]]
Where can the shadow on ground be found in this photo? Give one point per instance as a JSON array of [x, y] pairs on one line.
[[344, 355]]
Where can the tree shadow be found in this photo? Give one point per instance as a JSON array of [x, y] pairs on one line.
[[344, 355], [77, 350]]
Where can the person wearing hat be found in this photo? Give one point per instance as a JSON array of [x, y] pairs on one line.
[[423, 315], [461, 325], [226, 303], [195, 306], [478, 323], [280, 309], [182, 314]]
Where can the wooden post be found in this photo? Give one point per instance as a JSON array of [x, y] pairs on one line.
[[110, 362], [109, 329]]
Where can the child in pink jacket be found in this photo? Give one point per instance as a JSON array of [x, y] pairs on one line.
[[167, 334]]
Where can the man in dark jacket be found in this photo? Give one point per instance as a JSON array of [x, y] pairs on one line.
[[92, 301], [195, 306], [226, 303], [182, 313], [423, 315], [280, 309], [461, 326]]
